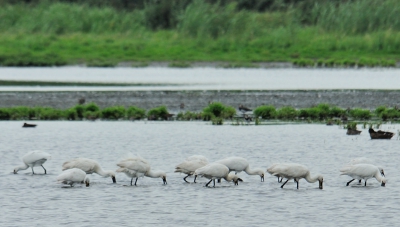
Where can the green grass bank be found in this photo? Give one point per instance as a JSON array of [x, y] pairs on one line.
[[325, 33]]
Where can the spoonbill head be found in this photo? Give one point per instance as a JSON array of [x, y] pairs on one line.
[[239, 164], [295, 171], [73, 176], [32, 159], [89, 166], [363, 172]]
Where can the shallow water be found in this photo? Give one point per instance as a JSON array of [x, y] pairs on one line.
[[37, 200], [203, 78]]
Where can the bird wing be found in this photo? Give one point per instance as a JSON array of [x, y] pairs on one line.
[[290, 170], [84, 164], [234, 163], [34, 156], [74, 175], [135, 164], [213, 170], [197, 157], [362, 170], [190, 166], [361, 160]]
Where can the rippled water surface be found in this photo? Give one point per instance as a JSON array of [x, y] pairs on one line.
[[158, 78], [37, 200]]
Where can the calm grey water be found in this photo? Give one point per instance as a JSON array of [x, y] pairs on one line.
[[205, 78], [37, 200]]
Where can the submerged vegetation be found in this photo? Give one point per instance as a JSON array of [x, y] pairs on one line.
[[102, 33], [216, 113]]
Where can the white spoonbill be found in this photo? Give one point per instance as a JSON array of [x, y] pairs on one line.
[[269, 170], [239, 164], [139, 167], [364, 160], [32, 159], [363, 172], [73, 176], [190, 165], [216, 171], [89, 166], [295, 171]]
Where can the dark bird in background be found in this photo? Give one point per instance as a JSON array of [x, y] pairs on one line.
[[81, 101], [244, 109], [247, 118]]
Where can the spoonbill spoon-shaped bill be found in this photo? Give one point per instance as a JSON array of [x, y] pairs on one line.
[[363, 172], [139, 167], [239, 164], [295, 171], [89, 166], [73, 176], [217, 171], [190, 165], [32, 159]]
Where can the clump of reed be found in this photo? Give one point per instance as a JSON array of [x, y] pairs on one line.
[[135, 113], [158, 113], [218, 111]]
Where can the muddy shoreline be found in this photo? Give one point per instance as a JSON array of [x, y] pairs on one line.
[[197, 100]]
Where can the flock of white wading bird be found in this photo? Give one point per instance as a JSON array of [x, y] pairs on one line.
[[75, 171]]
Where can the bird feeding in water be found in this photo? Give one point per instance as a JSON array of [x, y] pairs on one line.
[[73, 176], [32, 159], [89, 166], [363, 172], [217, 171], [295, 171]]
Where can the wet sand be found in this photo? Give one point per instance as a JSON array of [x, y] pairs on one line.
[[197, 100]]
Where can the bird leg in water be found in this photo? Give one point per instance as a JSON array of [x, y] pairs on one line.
[[214, 183], [365, 183], [284, 183], [32, 170], [45, 172], [349, 182], [209, 183], [136, 180], [359, 181], [219, 180], [131, 181], [185, 179], [297, 183], [195, 179]]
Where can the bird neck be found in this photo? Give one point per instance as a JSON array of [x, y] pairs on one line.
[[310, 179], [21, 168], [154, 174], [103, 173], [253, 171]]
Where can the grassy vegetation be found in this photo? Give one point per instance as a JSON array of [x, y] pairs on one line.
[[319, 33], [57, 84], [217, 113]]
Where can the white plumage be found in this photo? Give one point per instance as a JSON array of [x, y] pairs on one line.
[[364, 160], [190, 165], [73, 176], [139, 167], [216, 171], [363, 172], [269, 170], [239, 164], [294, 171], [89, 166], [32, 159]]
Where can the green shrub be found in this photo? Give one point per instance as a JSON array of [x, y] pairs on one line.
[[19, 113], [179, 65], [79, 109], [379, 110], [91, 107], [336, 112], [287, 113], [360, 113], [71, 114], [310, 113], [389, 114], [265, 112], [48, 113], [92, 115], [113, 113], [218, 109], [5, 114], [135, 113], [217, 121], [188, 116], [158, 113]]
